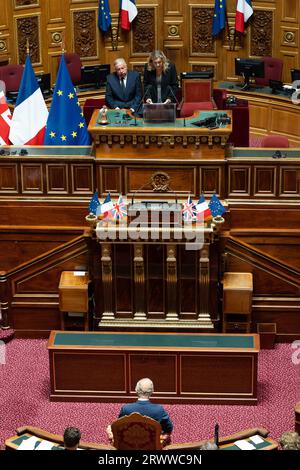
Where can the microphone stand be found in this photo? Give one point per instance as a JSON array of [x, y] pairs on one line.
[[141, 102]]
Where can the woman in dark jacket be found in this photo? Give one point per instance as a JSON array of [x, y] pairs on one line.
[[160, 79]]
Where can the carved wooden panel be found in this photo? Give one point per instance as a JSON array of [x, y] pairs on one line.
[[144, 31], [173, 7], [210, 180], [239, 181], [57, 179], [289, 184], [110, 179], [264, 181], [201, 40], [21, 3], [84, 30], [28, 29], [8, 178], [200, 67], [82, 179], [135, 178], [32, 178], [262, 33], [290, 10]]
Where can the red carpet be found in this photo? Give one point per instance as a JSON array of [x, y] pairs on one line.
[[24, 391]]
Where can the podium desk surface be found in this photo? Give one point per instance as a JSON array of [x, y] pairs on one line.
[[244, 342]]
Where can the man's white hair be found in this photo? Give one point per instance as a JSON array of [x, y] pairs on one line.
[[119, 61], [144, 388]]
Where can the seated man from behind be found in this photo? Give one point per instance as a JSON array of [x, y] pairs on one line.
[[123, 88], [71, 438], [290, 440], [144, 389]]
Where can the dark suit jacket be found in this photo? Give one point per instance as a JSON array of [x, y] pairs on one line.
[[168, 80], [130, 98], [153, 410]]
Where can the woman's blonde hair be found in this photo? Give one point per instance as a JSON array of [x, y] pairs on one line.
[[157, 55]]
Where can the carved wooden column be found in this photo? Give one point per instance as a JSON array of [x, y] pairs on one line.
[[172, 313], [4, 305], [107, 282], [204, 282], [139, 283]]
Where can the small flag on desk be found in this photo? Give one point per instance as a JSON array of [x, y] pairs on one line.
[[107, 206], [94, 204], [119, 210], [188, 211], [5, 120], [203, 212], [216, 206], [66, 124]]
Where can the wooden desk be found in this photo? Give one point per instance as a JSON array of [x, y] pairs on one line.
[[186, 368], [227, 442], [237, 302], [25, 432], [73, 296]]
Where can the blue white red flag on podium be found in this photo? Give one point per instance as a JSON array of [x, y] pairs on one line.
[[203, 212], [30, 114], [219, 18], [104, 16], [107, 206], [66, 124], [119, 210], [216, 206], [243, 12], [188, 211], [94, 204], [128, 11], [5, 120]]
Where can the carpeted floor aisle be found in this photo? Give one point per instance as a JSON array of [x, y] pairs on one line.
[[24, 391]]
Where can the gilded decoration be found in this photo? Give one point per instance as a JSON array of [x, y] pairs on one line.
[[28, 30], [85, 33], [261, 33], [144, 31], [201, 39]]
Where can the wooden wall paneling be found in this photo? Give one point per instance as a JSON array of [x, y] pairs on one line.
[[146, 32], [284, 122], [264, 181], [262, 32], [200, 38], [290, 11], [290, 61], [211, 180], [28, 27], [32, 179], [57, 178], [82, 177], [109, 179], [289, 181], [259, 116], [9, 178], [6, 37], [239, 181]]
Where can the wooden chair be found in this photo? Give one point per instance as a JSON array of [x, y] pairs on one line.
[[136, 432]]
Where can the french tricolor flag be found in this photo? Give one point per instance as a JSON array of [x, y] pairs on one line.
[[30, 114], [243, 12], [128, 11]]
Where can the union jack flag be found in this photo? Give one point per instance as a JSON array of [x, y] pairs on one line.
[[188, 211], [119, 210]]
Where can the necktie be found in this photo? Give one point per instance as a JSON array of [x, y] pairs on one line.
[[123, 85]]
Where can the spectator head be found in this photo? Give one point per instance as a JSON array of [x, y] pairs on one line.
[[290, 440], [144, 388], [71, 438], [208, 446]]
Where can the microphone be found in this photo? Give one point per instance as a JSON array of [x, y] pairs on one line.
[[139, 189], [147, 90], [216, 435], [172, 93]]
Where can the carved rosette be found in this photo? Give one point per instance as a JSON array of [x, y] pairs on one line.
[[160, 182], [85, 33], [107, 279], [28, 29], [201, 39], [261, 33], [172, 313], [139, 282], [144, 31]]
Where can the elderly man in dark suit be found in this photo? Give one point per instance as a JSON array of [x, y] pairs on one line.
[[123, 87], [144, 389]]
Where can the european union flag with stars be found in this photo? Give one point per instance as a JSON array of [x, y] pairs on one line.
[[104, 16], [216, 207], [66, 124], [219, 18]]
